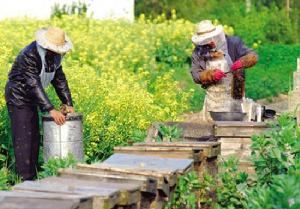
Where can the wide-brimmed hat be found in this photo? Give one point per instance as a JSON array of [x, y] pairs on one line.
[[205, 31], [54, 39]]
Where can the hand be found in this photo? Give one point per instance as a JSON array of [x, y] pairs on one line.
[[70, 109], [237, 65], [58, 117], [219, 74]]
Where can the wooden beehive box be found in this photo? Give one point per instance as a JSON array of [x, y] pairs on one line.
[[235, 137], [164, 170], [189, 131], [43, 200], [204, 154], [105, 195], [147, 184]]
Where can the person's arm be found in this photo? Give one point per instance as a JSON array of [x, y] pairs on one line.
[[246, 56], [203, 76], [61, 87]]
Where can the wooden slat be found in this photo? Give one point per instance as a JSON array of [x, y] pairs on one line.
[[28, 203], [103, 197], [163, 183], [147, 184], [210, 149], [189, 131], [238, 129], [70, 201], [149, 164], [129, 193], [167, 152]]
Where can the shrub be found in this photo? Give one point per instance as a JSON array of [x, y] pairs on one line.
[[278, 151], [54, 164]]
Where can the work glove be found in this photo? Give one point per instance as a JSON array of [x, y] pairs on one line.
[[237, 65], [218, 74]]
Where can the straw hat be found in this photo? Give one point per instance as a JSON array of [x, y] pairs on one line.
[[205, 31], [54, 39]]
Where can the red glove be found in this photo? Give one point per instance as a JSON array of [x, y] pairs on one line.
[[236, 65], [218, 75]]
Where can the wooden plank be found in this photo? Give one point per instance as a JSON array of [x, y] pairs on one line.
[[70, 201], [103, 197], [129, 193], [28, 203], [149, 164], [165, 152], [189, 131], [239, 129], [163, 183], [210, 149], [147, 184]]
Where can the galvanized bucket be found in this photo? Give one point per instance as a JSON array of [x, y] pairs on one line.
[[59, 141]]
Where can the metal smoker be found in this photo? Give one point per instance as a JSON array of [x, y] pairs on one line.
[[59, 141]]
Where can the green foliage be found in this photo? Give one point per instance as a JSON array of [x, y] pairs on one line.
[[227, 190], [266, 21], [75, 8], [169, 133], [185, 192], [54, 164], [188, 9], [231, 188], [283, 193], [4, 185], [272, 74], [277, 151]]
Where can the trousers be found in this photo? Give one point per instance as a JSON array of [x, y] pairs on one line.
[[26, 139]]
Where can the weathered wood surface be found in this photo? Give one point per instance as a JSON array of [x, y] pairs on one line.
[[41, 200], [149, 164], [163, 151], [147, 184], [161, 179], [21, 203], [129, 193], [238, 129], [189, 131], [164, 170], [210, 149], [103, 197]]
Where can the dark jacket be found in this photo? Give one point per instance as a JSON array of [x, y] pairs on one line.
[[236, 50], [24, 86]]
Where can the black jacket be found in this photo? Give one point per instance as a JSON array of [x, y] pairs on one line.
[[24, 85]]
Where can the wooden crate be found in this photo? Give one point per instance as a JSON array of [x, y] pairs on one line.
[[235, 138], [164, 170], [147, 184], [207, 152], [103, 197], [43, 200], [129, 194], [189, 131], [238, 129]]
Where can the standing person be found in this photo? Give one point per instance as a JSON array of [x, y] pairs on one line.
[[36, 66], [224, 91]]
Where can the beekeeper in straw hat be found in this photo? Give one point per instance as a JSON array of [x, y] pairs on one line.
[[35, 67], [218, 63]]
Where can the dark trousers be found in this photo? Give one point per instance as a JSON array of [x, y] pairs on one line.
[[26, 139]]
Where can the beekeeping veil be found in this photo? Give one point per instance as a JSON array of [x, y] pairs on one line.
[[206, 33]]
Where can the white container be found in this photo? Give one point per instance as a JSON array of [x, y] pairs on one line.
[[59, 141]]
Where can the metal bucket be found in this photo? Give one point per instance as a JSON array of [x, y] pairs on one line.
[[59, 141]]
